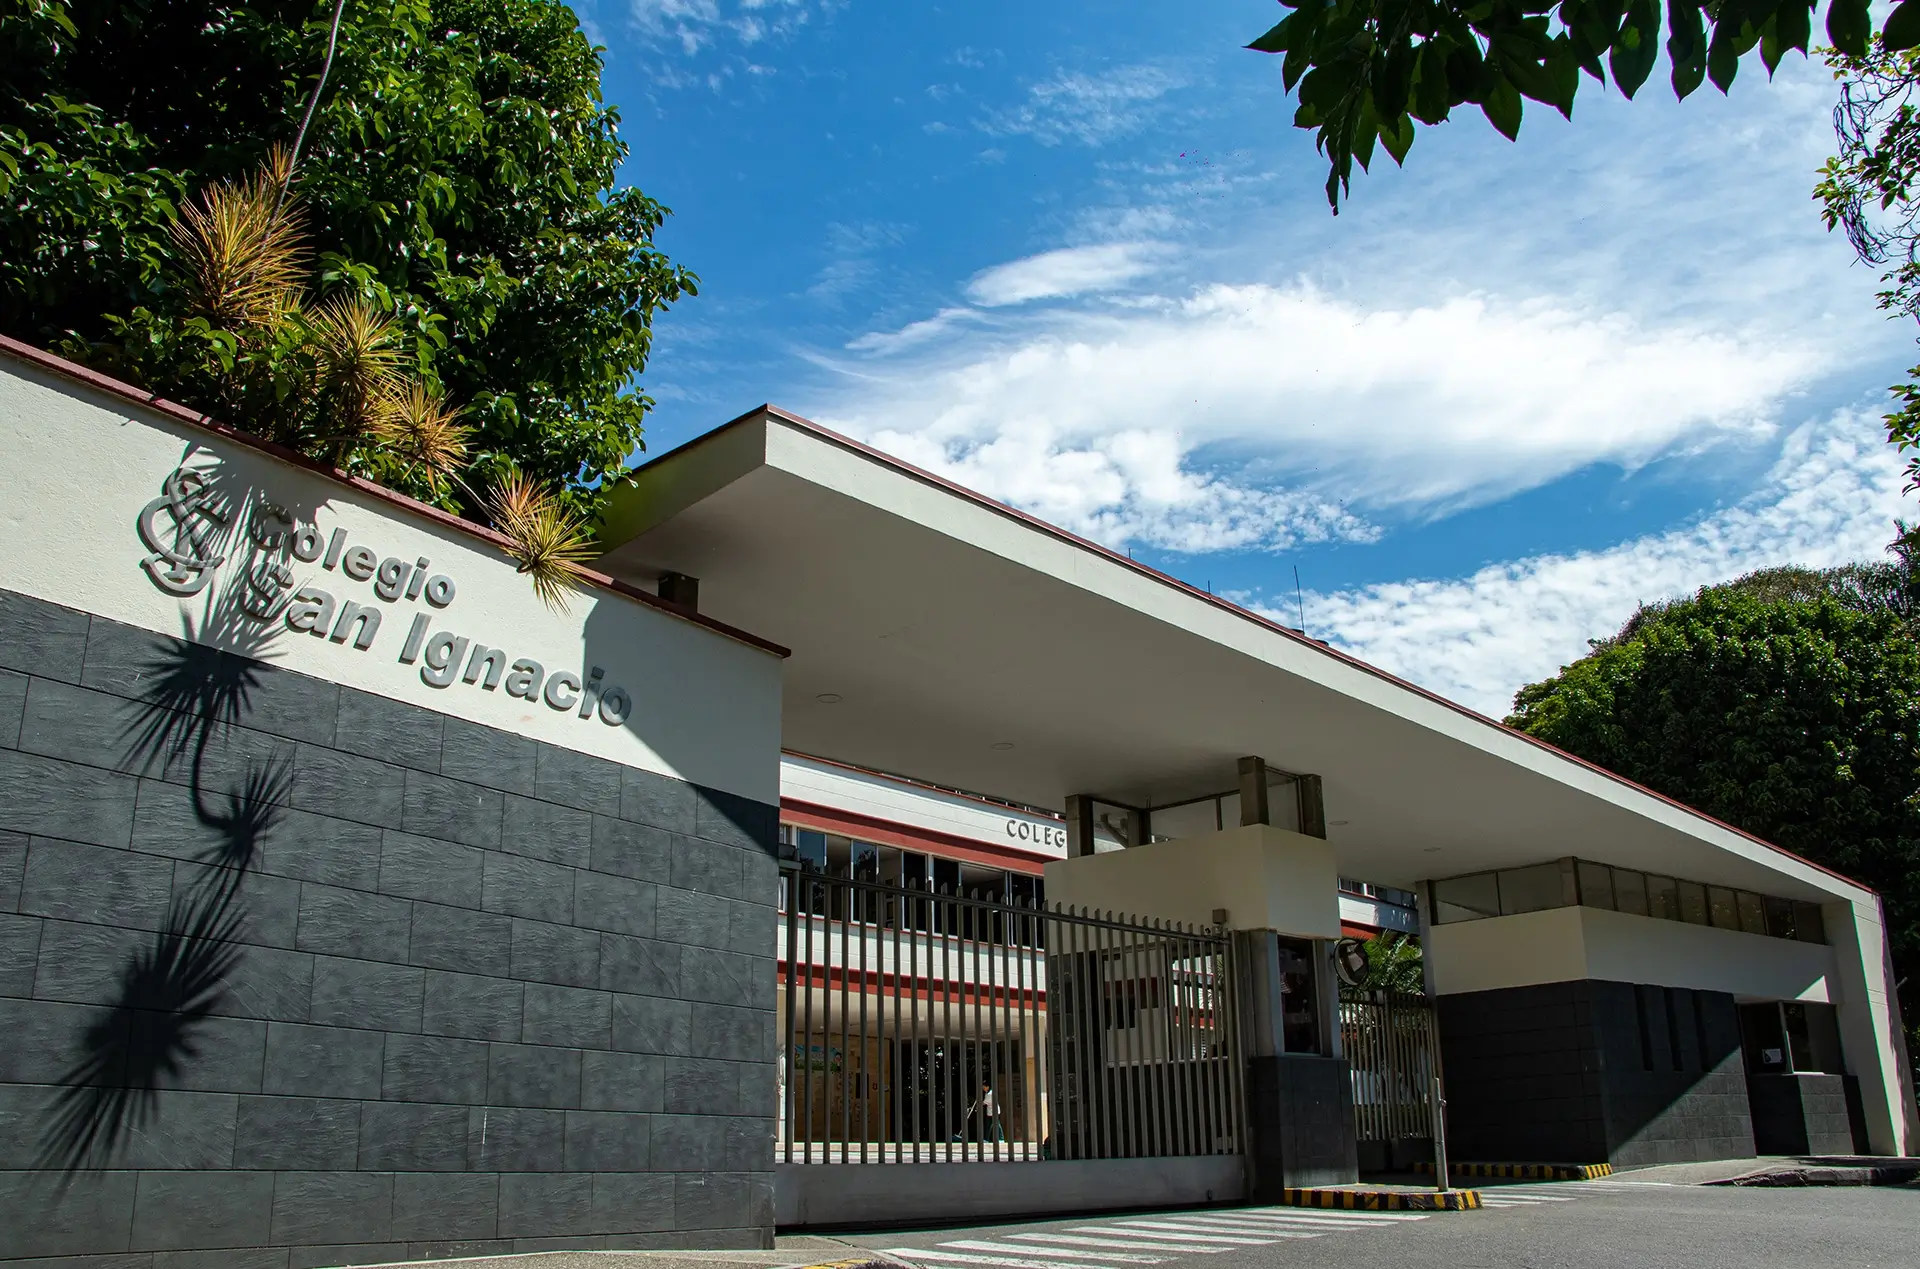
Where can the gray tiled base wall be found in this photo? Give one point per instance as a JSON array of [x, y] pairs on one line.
[[387, 984], [1594, 1072]]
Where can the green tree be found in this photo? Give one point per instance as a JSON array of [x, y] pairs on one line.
[[1369, 70], [1795, 716], [1868, 190], [458, 181], [1394, 964]]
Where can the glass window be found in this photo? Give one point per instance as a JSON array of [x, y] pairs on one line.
[[1630, 891], [1532, 889], [1596, 885], [805, 847], [1465, 898], [1808, 924], [1299, 999], [1693, 903], [1663, 898], [1753, 913], [1779, 918], [1722, 908], [1763, 1038]]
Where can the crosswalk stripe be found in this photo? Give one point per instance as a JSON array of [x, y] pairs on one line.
[[1218, 1225], [1131, 1242], [1274, 1222], [1151, 1235], [1331, 1214], [921, 1255], [979, 1244], [1199, 1233]]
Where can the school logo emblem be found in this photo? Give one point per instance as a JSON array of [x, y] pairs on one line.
[[181, 527]]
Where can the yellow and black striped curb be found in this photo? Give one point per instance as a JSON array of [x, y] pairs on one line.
[[1527, 1171], [1385, 1200]]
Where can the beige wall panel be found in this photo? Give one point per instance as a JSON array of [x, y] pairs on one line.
[[1266, 878]]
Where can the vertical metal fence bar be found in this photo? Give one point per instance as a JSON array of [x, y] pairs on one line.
[[1086, 1007], [1058, 1005], [943, 919], [1216, 1064], [1189, 1047], [792, 881], [1127, 1062], [863, 1085], [896, 1131], [1183, 1044], [1236, 1051], [1033, 1091], [1003, 1036], [846, 1019], [1160, 1085], [808, 889], [916, 904]]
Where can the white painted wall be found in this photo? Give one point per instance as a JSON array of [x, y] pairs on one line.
[[82, 466], [1566, 944], [915, 806], [1266, 878]]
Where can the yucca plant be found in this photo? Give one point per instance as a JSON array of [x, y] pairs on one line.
[[357, 363], [416, 443], [547, 539], [243, 250]]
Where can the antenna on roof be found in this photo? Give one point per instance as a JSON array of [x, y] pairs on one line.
[[1300, 602]]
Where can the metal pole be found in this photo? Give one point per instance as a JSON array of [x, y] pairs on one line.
[[792, 881], [1439, 1137]]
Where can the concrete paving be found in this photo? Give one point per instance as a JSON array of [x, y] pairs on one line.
[[1675, 1216]]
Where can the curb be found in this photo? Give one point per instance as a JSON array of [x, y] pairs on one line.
[[1385, 1200], [1527, 1171], [1892, 1175]]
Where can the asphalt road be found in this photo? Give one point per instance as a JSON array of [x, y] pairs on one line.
[[1569, 1225]]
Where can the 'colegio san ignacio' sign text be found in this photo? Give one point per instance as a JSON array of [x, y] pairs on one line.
[[184, 527]]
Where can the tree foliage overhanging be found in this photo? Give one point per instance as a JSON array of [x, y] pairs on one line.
[[458, 179], [1369, 70], [1786, 703]]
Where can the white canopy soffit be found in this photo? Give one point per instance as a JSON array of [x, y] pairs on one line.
[[950, 627]]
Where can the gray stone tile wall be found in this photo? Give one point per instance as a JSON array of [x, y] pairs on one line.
[[292, 975], [1593, 1072]]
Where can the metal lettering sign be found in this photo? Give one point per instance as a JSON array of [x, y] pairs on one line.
[[187, 531]]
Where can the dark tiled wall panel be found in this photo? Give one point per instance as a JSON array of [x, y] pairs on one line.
[[1593, 1072], [291, 975]]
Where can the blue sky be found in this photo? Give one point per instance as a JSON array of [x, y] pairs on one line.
[[1076, 257]]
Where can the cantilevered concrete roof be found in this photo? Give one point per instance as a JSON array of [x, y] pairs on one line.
[[949, 626]]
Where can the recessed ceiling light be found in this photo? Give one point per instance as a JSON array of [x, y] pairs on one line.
[[829, 698], [1003, 744]]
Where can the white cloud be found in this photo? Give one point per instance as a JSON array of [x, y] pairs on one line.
[[1090, 109], [1258, 390], [1069, 271], [1131, 487], [1831, 498], [696, 23]]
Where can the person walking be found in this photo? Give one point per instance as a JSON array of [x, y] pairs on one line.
[[987, 1107]]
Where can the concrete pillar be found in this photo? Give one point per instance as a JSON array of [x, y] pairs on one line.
[[1253, 793], [1313, 809], [1079, 826]]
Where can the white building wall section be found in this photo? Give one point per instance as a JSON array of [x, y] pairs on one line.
[[700, 721], [882, 797], [1264, 878], [1568, 944]]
